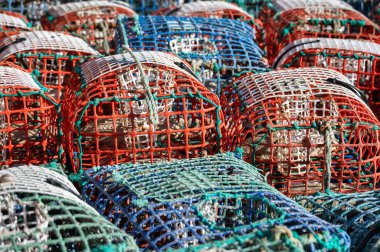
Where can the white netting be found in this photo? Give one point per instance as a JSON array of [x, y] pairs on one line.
[[330, 45], [11, 77], [322, 5], [12, 22], [96, 68], [40, 40], [207, 6], [28, 218], [275, 84], [84, 7]]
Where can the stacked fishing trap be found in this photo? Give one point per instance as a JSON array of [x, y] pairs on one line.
[[215, 48], [289, 20], [309, 129], [182, 125], [94, 21], [194, 202], [139, 106], [50, 56], [41, 211], [28, 127]]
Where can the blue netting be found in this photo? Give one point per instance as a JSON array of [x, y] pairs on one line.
[[357, 213], [198, 201], [216, 48]]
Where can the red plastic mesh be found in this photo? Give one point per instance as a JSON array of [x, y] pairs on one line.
[[28, 119], [297, 126], [294, 24], [94, 21], [358, 60], [52, 56], [116, 126]]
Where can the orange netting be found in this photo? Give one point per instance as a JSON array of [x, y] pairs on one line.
[[111, 117], [308, 129], [28, 119], [94, 21], [358, 60], [50, 56]]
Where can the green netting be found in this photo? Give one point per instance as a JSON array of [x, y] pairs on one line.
[[41, 211], [357, 213]]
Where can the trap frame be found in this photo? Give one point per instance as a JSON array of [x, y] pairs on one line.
[[94, 21], [41, 210], [356, 213], [29, 119], [356, 59], [139, 106], [308, 129], [215, 48], [186, 203], [51, 56], [296, 19]]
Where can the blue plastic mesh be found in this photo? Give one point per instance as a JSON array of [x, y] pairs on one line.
[[216, 48], [357, 213], [198, 201]]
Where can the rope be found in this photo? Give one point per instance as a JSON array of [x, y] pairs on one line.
[[328, 155], [106, 46], [153, 116]]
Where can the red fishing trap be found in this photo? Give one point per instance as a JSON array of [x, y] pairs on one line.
[[11, 24], [94, 21], [28, 119], [144, 106], [356, 59], [294, 19], [308, 129], [50, 56]]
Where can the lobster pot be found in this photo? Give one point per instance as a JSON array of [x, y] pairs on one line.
[[215, 9], [140, 106], [10, 24], [356, 59], [34, 10], [215, 48], [356, 213], [94, 21], [41, 211], [28, 120], [311, 19], [199, 201], [50, 56], [309, 129], [146, 7]]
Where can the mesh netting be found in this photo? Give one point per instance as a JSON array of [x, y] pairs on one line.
[[140, 106], [28, 120], [94, 21], [332, 19], [357, 214], [41, 211], [216, 9], [198, 201], [356, 59], [308, 128], [215, 48], [11, 24], [50, 56]]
